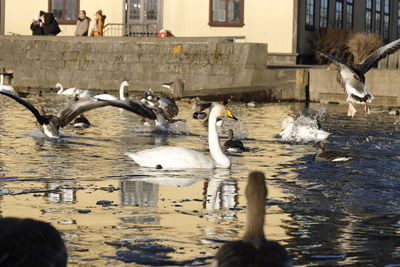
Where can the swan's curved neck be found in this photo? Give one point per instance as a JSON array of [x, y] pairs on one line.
[[220, 158], [121, 92], [61, 89]]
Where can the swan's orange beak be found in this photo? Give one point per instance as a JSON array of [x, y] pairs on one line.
[[230, 115]]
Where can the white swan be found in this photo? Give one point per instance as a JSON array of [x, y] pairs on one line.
[[111, 97], [170, 157], [69, 91], [303, 129], [6, 88]]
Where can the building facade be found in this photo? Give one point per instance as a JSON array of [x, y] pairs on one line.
[[287, 26]]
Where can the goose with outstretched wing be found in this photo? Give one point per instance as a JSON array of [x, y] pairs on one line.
[[49, 125], [352, 78]]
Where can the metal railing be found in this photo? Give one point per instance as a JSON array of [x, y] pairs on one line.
[[130, 29]]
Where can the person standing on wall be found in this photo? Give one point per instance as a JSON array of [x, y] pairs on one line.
[[50, 25], [36, 26], [82, 24], [98, 23]]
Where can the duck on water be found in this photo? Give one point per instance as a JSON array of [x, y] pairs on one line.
[[254, 249]]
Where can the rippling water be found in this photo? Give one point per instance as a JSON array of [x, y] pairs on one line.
[[112, 211]]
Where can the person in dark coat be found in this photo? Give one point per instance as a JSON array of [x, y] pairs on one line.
[[36, 26], [50, 25]]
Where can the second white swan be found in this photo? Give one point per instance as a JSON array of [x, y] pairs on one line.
[[171, 157]]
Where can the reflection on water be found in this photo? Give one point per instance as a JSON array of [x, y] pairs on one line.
[[112, 211]]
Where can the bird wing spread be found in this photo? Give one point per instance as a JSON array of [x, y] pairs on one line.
[[380, 53], [41, 119]]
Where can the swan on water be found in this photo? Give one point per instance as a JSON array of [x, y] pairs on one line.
[[70, 91], [111, 97], [302, 129], [171, 157]]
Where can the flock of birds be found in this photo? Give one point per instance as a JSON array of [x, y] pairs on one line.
[[254, 249]]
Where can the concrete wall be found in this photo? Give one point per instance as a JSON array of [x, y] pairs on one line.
[[383, 84], [19, 14], [266, 21], [103, 63]]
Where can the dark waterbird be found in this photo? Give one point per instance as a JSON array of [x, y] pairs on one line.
[[49, 125], [28, 242], [324, 155], [352, 78], [254, 249]]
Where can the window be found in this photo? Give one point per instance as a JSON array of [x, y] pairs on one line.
[[226, 13], [386, 14], [339, 14], [310, 14], [66, 11], [378, 17], [323, 14], [398, 19], [368, 16], [349, 15]]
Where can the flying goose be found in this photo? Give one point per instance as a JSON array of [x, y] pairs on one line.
[[233, 145], [28, 242], [254, 249], [171, 157], [324, 155], [49, 125], [111, 97], [352, 78]]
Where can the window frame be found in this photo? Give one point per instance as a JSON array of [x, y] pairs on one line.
[[349, 15], [323, 19], [378, 13], [310, 27], [337, 26], [398, 19], [226, 23], [62, 20], [386, 26], [369, 28]]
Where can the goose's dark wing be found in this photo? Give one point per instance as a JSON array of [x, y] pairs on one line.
[[333, 59], [169, 107], [41, 119], [139, 109], [380, 53], [64, 117]]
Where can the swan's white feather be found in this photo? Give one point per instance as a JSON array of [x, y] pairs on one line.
[[171, 157], [105, 97]]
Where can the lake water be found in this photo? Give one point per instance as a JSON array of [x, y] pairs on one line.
[[113, 212]]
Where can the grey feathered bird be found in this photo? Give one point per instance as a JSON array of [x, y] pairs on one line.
[[352, 78], [49, 125]]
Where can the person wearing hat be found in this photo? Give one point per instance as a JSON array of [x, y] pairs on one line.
[[36, 26]]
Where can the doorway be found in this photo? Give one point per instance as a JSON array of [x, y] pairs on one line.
[[143, 17]]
